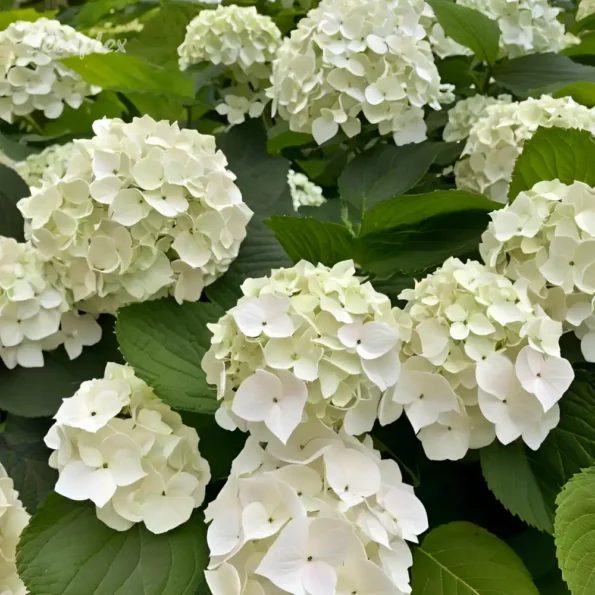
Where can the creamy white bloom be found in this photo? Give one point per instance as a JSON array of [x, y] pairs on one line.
[[246, 43], [50, 164], [109, 30], [116, 444], [497, 139], [466, 113], [304, 193], [546, 237], [585, 8], [143, 208], [32, 78], [306, 338], [34, 310], [354, 58], [328, 524], [483, 362], [13, 519], [526, 27]]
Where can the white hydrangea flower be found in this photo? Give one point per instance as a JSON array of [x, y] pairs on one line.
[[13, 519], [34, 310], [50, 164], [116, 444], [143, 208], [482, 362], [241, 39], [526, 27], [304, 193], [32, 78], [585, 9], [358, 57], [497, 139], [322, 514], [109, 30], [466, 113], [546, 237], [306, 338]]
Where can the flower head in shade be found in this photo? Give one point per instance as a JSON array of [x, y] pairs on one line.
[[483, 362], [585, 8], [351, 60], [50, 164], [243, 41], [31, 74], [143, 208], [116, 444], [306, 338], [497, 139], [334, 522], [304, 193]]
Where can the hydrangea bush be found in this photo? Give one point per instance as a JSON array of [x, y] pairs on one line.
[[297, 297]]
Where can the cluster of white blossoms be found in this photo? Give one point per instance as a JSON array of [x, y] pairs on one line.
[[109, 30], [143, 208], [31, 76], [304, 193], [48, 165], [306, 339], [466, 113], [585, 8], [321, 515], [497, 139], [116, 444], [546, 237], [13, 519], [244, 41], [483, 362], [35, 314], [526, 27], [358, 57]]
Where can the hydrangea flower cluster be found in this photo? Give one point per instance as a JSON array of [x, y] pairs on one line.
[[306, 338], [13, 519], [321, 514], [116, 444], [585, 8], [466, 113], [50, 164], [497, 139], [143, 208], [547, 237], [34, 310], [526, 27], [32, 78], [304, 193], [482, 362], [244, 41], [351, 57]]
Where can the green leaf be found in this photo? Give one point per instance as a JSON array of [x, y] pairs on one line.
[[66, 550], [164, 342], [23, 14], [554, 154], [575, 532], [124, 72], [25, 457], [464, 559], [470, 28], [12, 189], [585, 24], [583, 93], [92, 12], [384, 172], [38, 392], [510, 477], [541, 71], [309, 239], [16, 150], [281, 137], [585, 48]]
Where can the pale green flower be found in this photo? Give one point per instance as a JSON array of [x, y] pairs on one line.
[[49, 165], [304, 193]]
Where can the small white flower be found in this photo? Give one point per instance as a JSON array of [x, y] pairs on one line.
[[265, 314], [50, 164], [304, 193]]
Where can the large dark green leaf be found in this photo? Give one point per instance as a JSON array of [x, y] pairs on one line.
[[66, 550], [554, 154], [12, 189], [164, 343], [38, 392], [469, 27], [92, 12]]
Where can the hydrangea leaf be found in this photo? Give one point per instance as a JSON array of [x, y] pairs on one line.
[[583, 93], [92, 12], [164, 343], [66, 550], [510, 477], [463, 559], [23, 14], [470, 28], [12, 189], [554, 154], [575, 532]]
